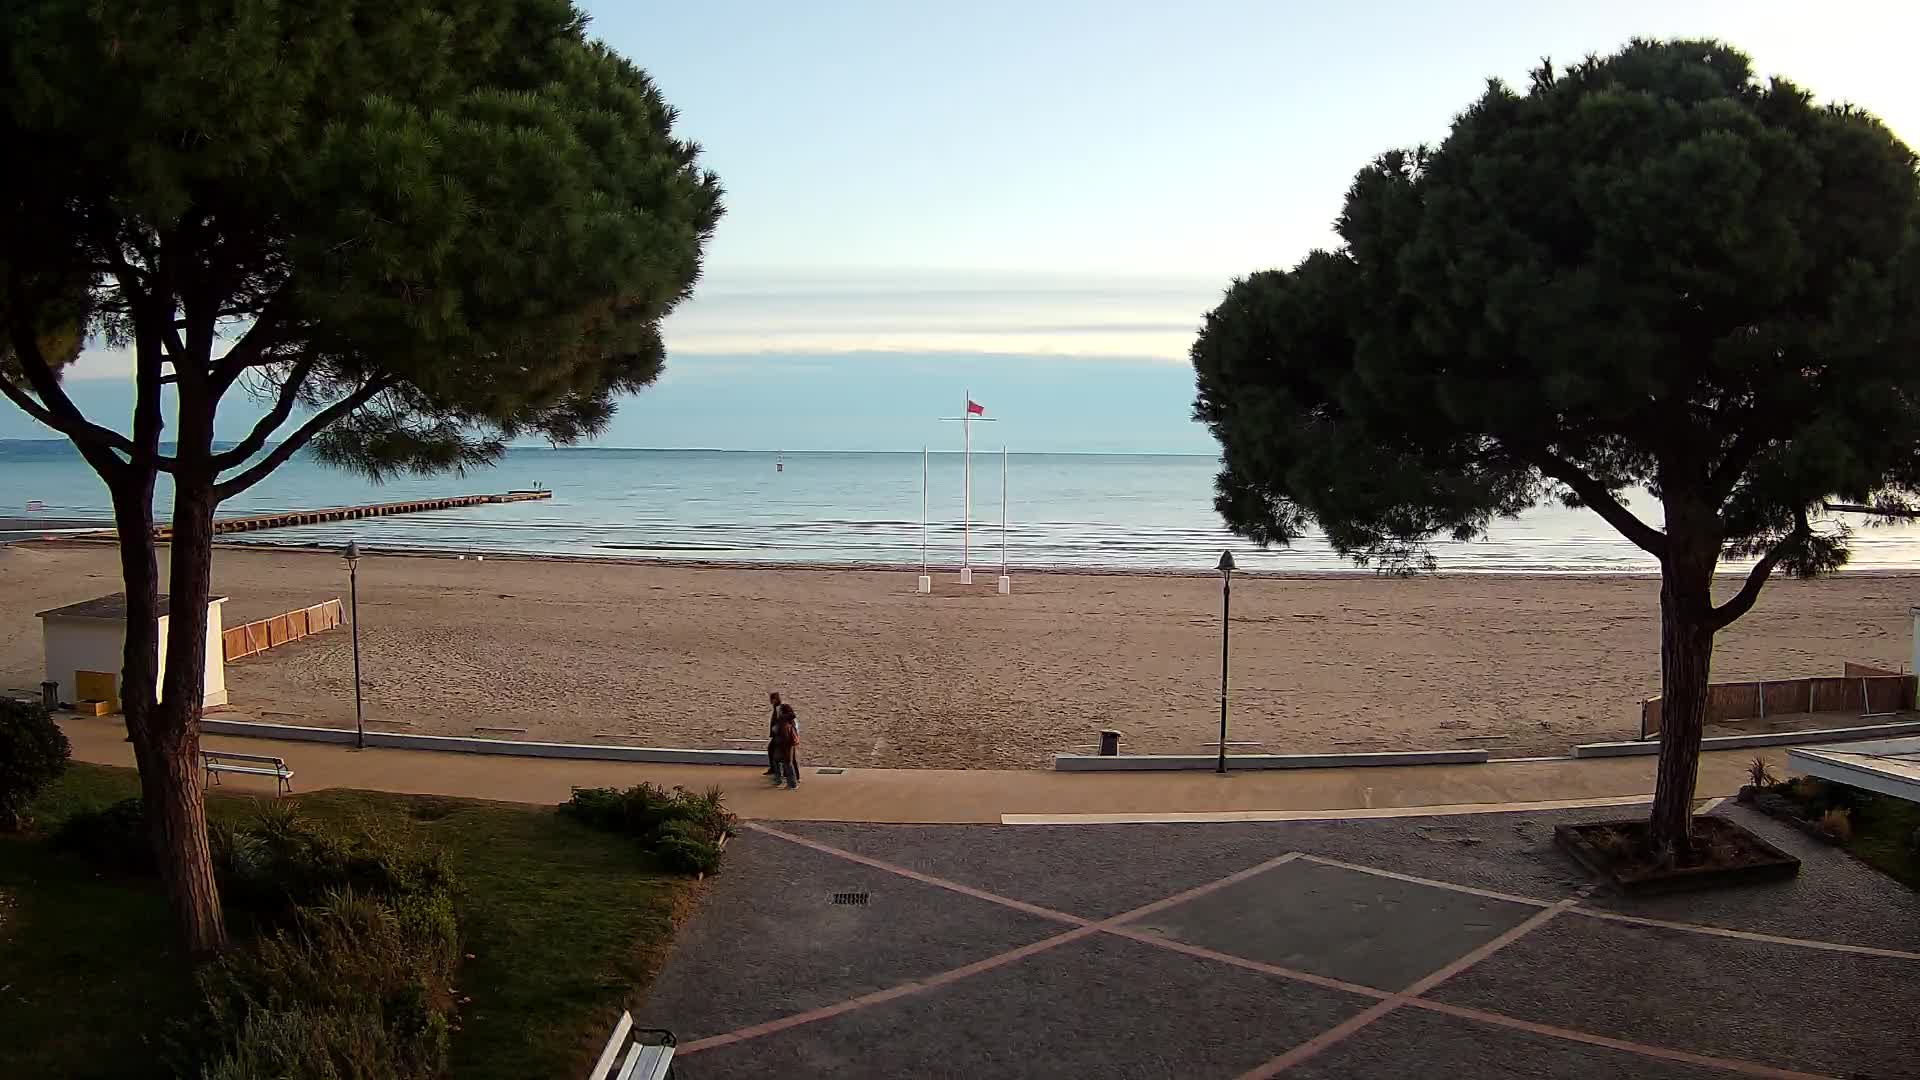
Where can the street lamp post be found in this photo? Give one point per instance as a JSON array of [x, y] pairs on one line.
[[1226, 615], [352, 555]]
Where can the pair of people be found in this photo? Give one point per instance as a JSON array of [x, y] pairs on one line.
[[783, 744]]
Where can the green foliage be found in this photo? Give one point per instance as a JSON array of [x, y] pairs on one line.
[[681, 829], [465, 203], [1648, 270], [33, 753], [113, 837], [1759, 773], [356, 987], [354, 976]]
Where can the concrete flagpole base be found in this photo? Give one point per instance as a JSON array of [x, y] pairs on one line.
[[966, 575], [1006, 585], [926, 584]]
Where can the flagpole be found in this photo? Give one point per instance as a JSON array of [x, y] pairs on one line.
[[925, 584], [1003, 510], [966, 524]]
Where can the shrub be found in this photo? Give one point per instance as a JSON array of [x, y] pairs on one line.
[[681, 829], [1759, 773], [114, 837], [33, 754], [1838, 824], [355, 987], [279, 862], [1807, 789]]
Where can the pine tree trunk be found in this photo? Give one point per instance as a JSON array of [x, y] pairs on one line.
[[176, 812], [1686, 657]]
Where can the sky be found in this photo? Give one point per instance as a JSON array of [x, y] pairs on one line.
[[1036, 202]]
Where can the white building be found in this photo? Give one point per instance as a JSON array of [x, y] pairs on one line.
[[85, 644]]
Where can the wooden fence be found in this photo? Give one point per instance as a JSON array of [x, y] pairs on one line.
[[1865, 690], [258, 637]]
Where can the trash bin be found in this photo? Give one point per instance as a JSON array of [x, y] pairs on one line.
[[1109, 743], [50, 696]]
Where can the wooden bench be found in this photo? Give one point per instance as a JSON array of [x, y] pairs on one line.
[[635, 1053], [226, 761]]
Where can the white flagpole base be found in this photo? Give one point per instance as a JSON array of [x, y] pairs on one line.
[[966, 575], [1006, 585], [926, 584]]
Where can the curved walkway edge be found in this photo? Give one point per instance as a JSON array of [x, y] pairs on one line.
[[931, 796]]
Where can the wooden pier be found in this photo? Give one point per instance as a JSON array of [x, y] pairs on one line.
[[292, 518]]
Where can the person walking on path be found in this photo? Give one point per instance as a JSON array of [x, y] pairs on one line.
[[773, 737], [786, 740]]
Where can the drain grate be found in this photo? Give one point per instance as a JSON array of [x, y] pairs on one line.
[[828, 772], [850, 899]]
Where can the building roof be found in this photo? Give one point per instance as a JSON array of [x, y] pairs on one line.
[[112, 608], [1888, 766]]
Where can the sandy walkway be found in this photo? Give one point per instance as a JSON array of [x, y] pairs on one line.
[[575, 651]]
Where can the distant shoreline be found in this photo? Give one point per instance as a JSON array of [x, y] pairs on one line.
[[984, 573]]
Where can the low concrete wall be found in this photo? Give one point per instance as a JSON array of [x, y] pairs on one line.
[[1737, 742], [1236, 762], [396, 741]]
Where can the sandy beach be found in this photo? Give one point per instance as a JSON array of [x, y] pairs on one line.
[[681, 656]]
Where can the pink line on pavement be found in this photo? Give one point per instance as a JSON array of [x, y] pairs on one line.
[[1448, 885], [878, 997], [925, 879], [1747, 935], [1734, 1065], [1084, 928], [1342, 1031]]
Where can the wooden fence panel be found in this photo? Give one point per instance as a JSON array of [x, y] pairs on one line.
[[1858, 694], [261, 635]]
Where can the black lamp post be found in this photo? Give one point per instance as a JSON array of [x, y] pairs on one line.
[[352, 556], [1226, 614]]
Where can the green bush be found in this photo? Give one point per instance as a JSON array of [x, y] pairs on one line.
[[33, 753], [279, 862], [353, 976], [356, 987], [681, 829], [113, 837]]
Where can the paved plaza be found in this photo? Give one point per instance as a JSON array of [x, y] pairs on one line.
[[1458, 946]]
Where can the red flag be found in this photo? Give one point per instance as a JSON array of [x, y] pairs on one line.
[[974, 408]]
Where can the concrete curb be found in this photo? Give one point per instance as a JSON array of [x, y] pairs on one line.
[[1237, 762], [447, 743], [1737, 742]]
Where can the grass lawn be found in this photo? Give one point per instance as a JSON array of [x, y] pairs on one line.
[[565, 925], [1883, 837]]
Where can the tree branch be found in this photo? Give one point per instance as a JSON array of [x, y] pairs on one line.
[[293, 444], [56, 410], [247, 351], [262, 431], [1742, 602], [1596, 497]]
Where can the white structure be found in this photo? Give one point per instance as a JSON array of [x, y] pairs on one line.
[[91, 637], [1888, 766]]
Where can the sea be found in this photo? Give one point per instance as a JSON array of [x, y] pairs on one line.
[[1116, 512]]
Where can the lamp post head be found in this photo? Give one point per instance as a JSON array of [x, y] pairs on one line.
[[1226, 563], [352, 554]]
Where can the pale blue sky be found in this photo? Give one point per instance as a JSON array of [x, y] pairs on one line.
[[1037, 201]]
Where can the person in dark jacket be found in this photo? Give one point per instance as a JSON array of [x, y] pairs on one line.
[[773, 725], [786, 727]]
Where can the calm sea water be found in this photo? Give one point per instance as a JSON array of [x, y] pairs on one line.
[[1098, 511]]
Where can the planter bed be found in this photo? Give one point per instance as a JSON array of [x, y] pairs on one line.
[[1610, 851]]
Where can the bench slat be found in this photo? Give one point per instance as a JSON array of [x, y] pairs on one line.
[[233, 756], [653, 1063], [604, 1066], [250, 770]]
